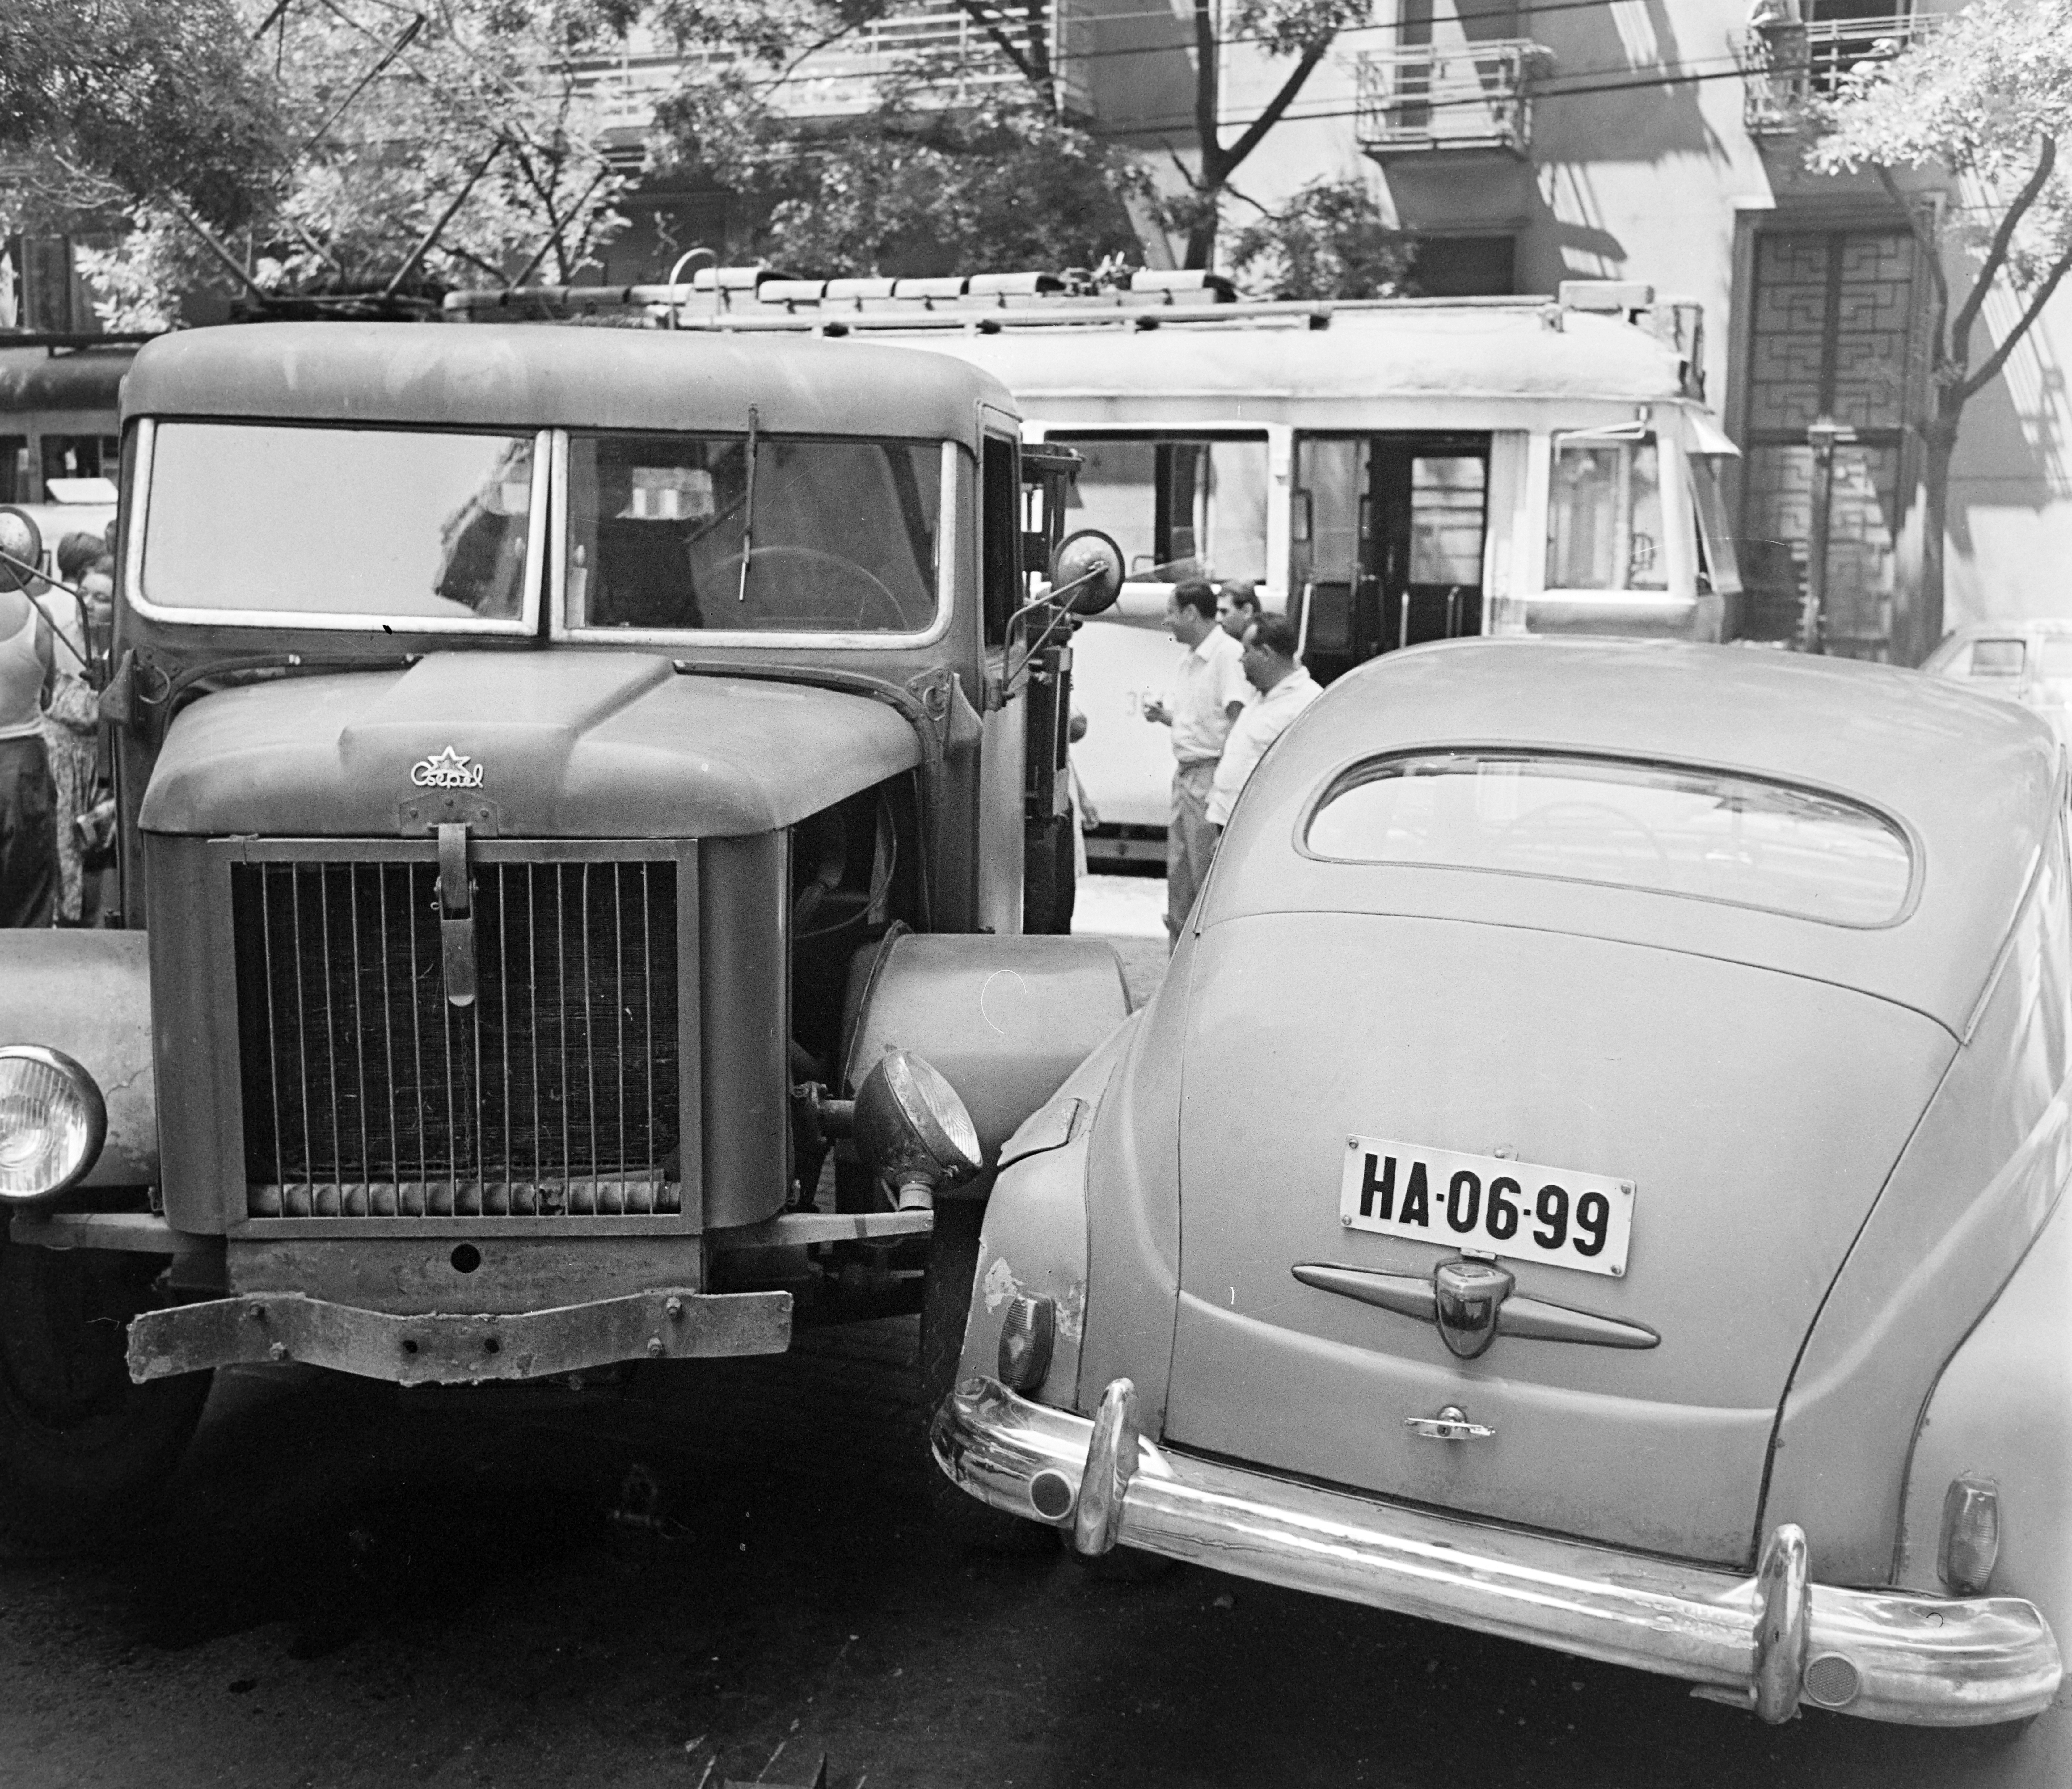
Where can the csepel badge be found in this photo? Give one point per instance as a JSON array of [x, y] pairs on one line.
[[449, 770]]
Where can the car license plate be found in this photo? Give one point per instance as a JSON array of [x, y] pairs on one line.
[[1487, 1204]]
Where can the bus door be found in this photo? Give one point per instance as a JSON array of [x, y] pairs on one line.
[[1386, 543]]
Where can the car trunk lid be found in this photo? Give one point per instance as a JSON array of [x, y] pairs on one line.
[[1754, 1114]]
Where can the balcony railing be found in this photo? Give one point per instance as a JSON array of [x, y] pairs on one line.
[[1419, 98], [955, 58], [1786, 64]]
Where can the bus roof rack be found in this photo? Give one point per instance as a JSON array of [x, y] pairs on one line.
[[762, 298]]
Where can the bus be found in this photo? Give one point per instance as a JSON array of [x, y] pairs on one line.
[[59, 445], [1385, 472]]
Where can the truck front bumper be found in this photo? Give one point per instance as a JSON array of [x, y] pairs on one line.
[[1763, 1643], [446, 1350]]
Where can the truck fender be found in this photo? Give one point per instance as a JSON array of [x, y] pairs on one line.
[[2002, 1408], [88, 993], [1034, 1242], [1005, 1019]]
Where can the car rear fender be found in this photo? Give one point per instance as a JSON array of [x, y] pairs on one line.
[[88, 993], [1034, 1242], [1133, 1206], [2003, 1411], [1972, 1191]]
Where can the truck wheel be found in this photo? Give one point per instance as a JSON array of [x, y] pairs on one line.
[[960, 1518], [80, 1443]]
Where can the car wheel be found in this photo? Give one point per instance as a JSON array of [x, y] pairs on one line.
[[80, 1443], [960, 1518]]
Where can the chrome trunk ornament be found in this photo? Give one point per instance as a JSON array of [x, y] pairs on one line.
[[1416, 1297], [1467, 1296]]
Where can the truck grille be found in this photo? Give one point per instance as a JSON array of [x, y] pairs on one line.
[[367, 1094]]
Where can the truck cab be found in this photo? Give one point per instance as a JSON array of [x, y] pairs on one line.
[[572, 784]]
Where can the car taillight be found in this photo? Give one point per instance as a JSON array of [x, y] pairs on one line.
[[1971, 1533], [1025, 1342]]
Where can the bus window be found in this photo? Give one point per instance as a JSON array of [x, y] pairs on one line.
[[1179, 507], [1604, 515], [1718, 570], [15, 470], [80, 455]]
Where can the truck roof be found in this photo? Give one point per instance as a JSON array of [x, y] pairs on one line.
[[512, 376]]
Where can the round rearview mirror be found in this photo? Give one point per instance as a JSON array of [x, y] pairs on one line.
[[1086, 572], [21, 549], [913, 1130]]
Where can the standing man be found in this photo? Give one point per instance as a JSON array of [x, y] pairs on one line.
[[1285, 689], [1237, 608], [1208, 694]]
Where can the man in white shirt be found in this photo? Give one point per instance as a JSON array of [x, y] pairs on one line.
[[1285, 689], [1208, 694]]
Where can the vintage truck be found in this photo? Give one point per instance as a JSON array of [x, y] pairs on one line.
[[571, 783]]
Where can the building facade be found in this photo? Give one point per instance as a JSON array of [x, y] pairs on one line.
[[1660, 141]]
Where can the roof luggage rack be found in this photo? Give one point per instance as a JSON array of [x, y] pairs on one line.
[[741, 299]]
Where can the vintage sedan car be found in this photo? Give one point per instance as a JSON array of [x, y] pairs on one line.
[[2028, 661], [1592, 1174]]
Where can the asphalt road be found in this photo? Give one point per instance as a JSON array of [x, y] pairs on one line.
[[723, 1570]]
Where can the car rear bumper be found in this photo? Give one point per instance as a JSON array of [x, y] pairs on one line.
[[1763, 1643]]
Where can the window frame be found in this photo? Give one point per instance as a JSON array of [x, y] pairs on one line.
[[526, 623], [948, 534], [1348, 774]]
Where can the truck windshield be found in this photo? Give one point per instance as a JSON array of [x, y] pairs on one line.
[[670, 532], [339, 525], [1661, 827]]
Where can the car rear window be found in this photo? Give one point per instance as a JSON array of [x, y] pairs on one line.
[[1667, 829]]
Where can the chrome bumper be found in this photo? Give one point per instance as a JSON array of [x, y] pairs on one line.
[[448, 1350], [1763, 1643]]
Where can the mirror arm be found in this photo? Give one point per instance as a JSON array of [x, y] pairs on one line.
[[79, 602]]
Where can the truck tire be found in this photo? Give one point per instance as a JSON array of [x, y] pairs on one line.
[[80, 1444], [959, 1519]]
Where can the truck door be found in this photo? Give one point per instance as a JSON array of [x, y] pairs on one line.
[[1388, 543]]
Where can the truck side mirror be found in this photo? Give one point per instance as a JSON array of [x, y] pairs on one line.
[[21, 550], [1086, 572]]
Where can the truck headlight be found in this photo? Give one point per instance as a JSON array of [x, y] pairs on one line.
[[52, 1123], [912, 1130]]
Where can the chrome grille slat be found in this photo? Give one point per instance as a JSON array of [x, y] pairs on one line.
[[321, 946]]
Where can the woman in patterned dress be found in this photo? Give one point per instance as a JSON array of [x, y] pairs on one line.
[[72, 723]]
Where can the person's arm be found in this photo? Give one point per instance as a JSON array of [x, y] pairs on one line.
[[1241, 752], [47, 653]]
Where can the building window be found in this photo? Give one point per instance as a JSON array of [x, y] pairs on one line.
[[15, 470], [1831, 318], [1465, 267]]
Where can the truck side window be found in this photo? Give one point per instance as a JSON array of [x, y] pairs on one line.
[[1000, 512]]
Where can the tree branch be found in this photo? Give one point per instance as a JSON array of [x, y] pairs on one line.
[[1207, 98], [1998, 359], [1005, 44], [1270, 116], [1960, 329], [1932, 253]]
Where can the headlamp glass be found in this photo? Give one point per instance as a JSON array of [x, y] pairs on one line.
[[52, 1122]]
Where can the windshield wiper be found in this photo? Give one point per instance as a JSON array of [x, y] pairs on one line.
[[748, 513]]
